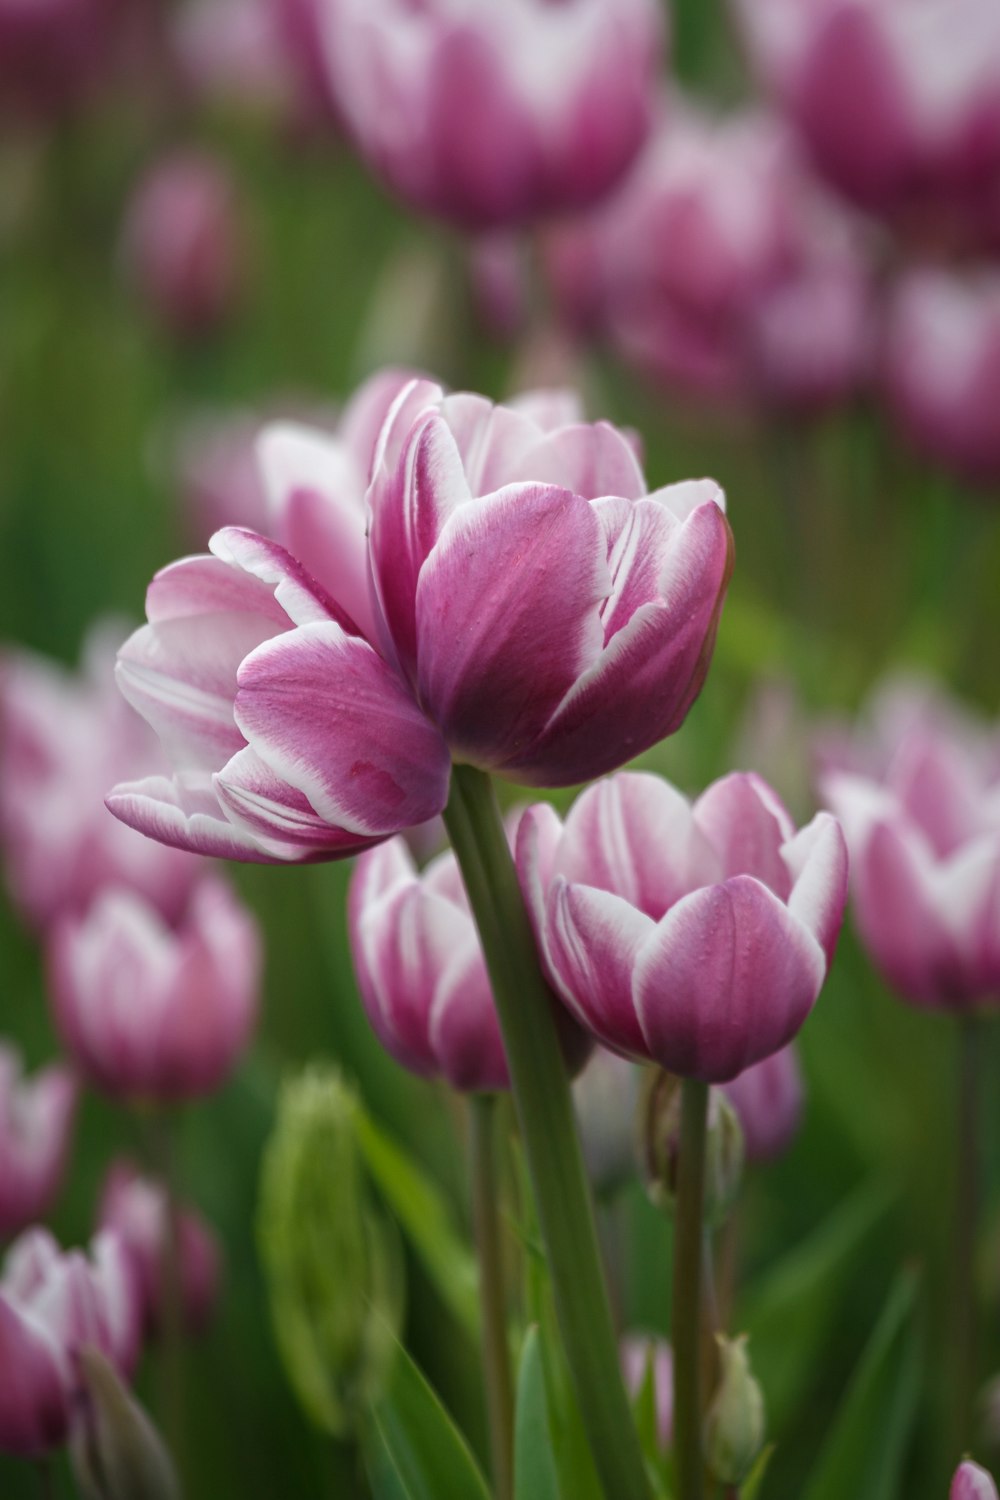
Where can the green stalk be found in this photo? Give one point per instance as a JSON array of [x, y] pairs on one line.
[[496, 1351], [963, 1260], [552, 1148], [687, 1306]]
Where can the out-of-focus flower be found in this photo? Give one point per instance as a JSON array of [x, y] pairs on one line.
[[421, 971], [639, 1351], [36, 1122], [721, 269], [942, 367], [116, 1453], [925, 151], [923, 827], [605, 1097], [52, 1306], [183, 243], [136, 1208], [52, 53], [532, 611], [233, 51], [499, 279], [150, 1012], [63, 740], [697, 937], [734, 1422], [972, 1483], [767, 1099], [492, 116]]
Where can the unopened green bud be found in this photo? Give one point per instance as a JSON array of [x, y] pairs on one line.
[[116, 1452], [333, 1261], [734, 1423], [660, 1143]]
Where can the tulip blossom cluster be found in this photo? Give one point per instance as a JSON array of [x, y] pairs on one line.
[[919, 798], [52, 1306], [720, 268], [493, 115], [693, 936], [36, 1120], [925, 150], [506, 593]]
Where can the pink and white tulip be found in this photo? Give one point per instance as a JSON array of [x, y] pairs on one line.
[[64, 739], [941, 368], [638, 1351], [494, 115], [150, 1012], [693, 936], [925, 151], [421, 971], [53, 1304], [768, 1100], [36, 1124], [923, 826], [135, 1208], [972, 1483], [516, 600]]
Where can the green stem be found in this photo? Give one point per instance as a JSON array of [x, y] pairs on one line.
[[552, 1148], [496, 1351], [46, 1477], [687, 1309], [963, 1268]]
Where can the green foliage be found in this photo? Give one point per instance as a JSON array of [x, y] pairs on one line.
[[534, 1466], [413, 1450]]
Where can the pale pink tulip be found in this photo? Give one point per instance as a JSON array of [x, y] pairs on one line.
[[150, 1012], [36, 1123], [972, 1483], [768, 1098], [694, 936]]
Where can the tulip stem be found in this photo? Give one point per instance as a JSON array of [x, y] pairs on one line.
[[687, 1302], [963, 1261], [46, 1478], [552, 1148], [496, 1349]]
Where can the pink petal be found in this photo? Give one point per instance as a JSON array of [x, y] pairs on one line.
[[507, 618], [366, 413], [972, 1483], [185, 813], [329, 717], [940, 790], [208, 586], [463, 1025], [595, 939], [34, 1405], [591, 459], [817, 861], [278, 819], [539, 834], [747, 825], [728, 977]]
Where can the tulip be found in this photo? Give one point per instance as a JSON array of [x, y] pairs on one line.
[[923, 827], [53, 1305], [734, 1422], [942, 368], [533, 611], [234, 50], [136, 1208], [639, 1353], [36, 1122], [926, 151], [972, 1483], [150, 1012], [421, 971], [52, 54], [492, 116], [767, 1099], [64, 739], [183, 243], [694, 936]]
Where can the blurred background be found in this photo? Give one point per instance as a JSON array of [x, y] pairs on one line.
[[775, 294]]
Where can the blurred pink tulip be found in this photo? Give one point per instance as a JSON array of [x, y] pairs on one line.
[[493, 115], [53, 53], [972, 1483], [925, 151], [63, 740], [53, 1304], [923, 826], [233, 50], [767, 1098], [517, 598], [697, 937], [421, 971], [942, 367], [135, 1207], [153, 1013], [183, 243], [36, 1123], [638, 1350]]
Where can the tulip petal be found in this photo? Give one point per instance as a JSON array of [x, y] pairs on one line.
[[817, 860], [208, 586], [185, 813], [329, 717], [591, 459], [303, 600], [896, 911], [34, 1405], [748, 827], [463, 1027], [276, 816], [728, 977], [595, 939], [539, 833]]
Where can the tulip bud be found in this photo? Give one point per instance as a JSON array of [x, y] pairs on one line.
[[116, 1452], [972, 1483], [660, 1117], [734, 1424], [333, 1262]]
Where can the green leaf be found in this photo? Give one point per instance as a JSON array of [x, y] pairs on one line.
[[750, 1488], [534, 1465], [423, 1216], [802, 1293], [414, 1451], [866, 1446]]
